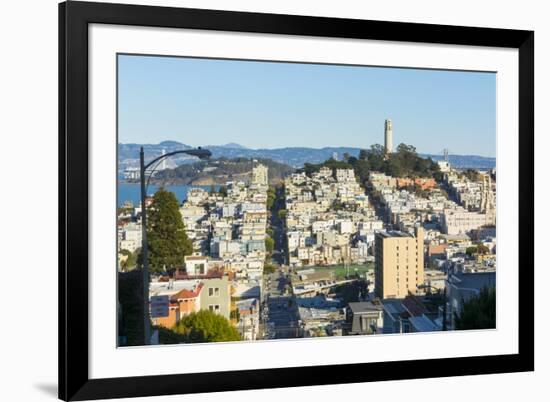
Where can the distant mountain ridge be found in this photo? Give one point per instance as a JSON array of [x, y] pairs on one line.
[[293, 156]]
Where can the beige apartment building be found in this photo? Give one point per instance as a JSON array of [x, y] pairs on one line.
[[399, 263]]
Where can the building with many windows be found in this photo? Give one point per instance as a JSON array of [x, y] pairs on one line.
[[399, 263], [259, 175]]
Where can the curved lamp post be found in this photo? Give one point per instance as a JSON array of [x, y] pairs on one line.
[[199, 153]]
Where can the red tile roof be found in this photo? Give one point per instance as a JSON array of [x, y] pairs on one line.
[[187, 294]]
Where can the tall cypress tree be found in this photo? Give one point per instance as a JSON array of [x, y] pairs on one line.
[[166, 236]]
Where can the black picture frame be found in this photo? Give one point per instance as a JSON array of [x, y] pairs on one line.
[[74, 18]]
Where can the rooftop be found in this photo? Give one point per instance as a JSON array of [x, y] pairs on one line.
[[361, 307], [423, 324], [394, 307], [394, 233], [473, 280], [414, 306]]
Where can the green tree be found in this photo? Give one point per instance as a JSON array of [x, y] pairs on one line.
[[269, 244], [269, 268], [271, 196], [130, 303], [472, 174], [471, 250], [477, 249], [169, 336], [206, 326], [168, 243], [223, 191], [131, 259], [362, 169], [482, 249], [376, 157], [479, 312], [281, 214]]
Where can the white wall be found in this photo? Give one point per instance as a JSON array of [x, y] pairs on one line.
[[28, 88]]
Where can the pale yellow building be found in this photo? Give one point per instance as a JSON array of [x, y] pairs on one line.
[[399, 263], [259, 175]]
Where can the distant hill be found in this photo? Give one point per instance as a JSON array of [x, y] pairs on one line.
[[233, 145], [219, 171], [291, 156]]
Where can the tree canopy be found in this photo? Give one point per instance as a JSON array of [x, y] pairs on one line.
[[404, 162], [166, 236], [478, 312], [269, 244], [206, 326]]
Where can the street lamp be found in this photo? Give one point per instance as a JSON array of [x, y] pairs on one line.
[[201, 154]]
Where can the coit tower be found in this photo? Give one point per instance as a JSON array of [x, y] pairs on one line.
[[388, 146]]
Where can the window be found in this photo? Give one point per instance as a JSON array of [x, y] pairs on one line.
[[213, 292], [214, 307]]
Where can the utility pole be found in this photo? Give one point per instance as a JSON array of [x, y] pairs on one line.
[[144, 253], [199, 153]]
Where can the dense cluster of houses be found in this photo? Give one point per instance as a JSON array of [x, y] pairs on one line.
[[328, 220], [433, 237]]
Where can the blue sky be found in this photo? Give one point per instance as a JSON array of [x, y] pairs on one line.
[[273, 105]]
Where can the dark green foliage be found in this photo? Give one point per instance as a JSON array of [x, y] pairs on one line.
[[281, 213], [169, 336], [166, 237], [471, 174], [405, 162], [352, 291], [271, 196], [206, 326], [130, 298], [479, 312], [482, 249], [269, 268], [477, 249], [223, 191]]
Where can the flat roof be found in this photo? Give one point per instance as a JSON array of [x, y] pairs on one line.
[[394, 233], [358, 307]]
